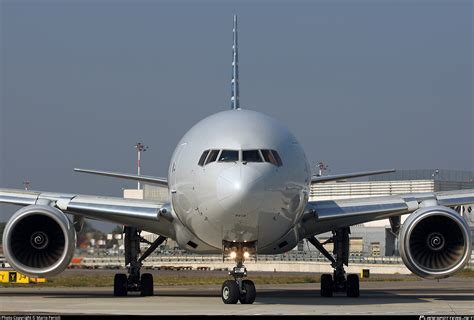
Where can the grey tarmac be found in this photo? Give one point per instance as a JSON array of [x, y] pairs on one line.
[[454, 296]]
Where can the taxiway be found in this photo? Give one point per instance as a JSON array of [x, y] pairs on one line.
[[452, 296]]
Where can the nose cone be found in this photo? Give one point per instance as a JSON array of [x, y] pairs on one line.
[[240, 190]]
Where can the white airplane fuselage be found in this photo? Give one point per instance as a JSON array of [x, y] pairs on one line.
[[235, 200]]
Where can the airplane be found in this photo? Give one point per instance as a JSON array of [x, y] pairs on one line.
[[239, 186]]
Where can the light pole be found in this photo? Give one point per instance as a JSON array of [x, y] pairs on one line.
[[140, 147], [321, 167]]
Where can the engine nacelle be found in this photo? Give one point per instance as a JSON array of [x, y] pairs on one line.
[[39, 241], [435, 242]]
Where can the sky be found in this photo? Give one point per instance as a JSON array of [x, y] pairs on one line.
[[363, 85]]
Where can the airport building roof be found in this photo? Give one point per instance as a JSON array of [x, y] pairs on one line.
[[426, 174]]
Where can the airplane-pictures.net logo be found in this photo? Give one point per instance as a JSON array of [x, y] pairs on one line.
[[446, 317]]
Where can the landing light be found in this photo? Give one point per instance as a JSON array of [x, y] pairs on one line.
[[246, 254], [233, 254]]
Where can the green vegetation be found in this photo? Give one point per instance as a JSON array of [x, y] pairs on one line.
[[466, 273], [395, 277], [92, 279], [175, 280]]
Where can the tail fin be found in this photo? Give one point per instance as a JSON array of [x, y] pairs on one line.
[[234, 99]]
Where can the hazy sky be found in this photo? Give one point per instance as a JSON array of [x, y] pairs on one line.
[[362, 84]]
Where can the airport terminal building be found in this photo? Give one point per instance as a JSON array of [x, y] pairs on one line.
[[373, 238]]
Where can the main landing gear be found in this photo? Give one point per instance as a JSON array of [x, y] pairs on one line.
[[238, 289], [338, 282], [135, 282]]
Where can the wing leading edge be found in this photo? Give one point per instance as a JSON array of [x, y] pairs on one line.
[[348, 175], [147, 215], [149, 179], [327, 215]]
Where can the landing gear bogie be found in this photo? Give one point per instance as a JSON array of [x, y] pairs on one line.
[[350, 286], [135, 281], [337, 282]]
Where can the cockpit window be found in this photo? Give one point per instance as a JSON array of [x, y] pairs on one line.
[[264, 155], [203, 158], [212, 156], [251, 156], [268, 157], [277, 158], [229, 156], [272, 157]]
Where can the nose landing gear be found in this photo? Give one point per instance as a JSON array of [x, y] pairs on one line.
[[238, 289]]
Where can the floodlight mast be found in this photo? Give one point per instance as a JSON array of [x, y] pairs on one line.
[[321, 166], [140, 148]]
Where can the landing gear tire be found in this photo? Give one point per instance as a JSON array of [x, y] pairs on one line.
[[120, 285], [230, 292], [146, 285], [327, 285], [248, 297], [353, 285]]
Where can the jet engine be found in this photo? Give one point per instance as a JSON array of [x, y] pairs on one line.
[[435, 242], [39, 241]]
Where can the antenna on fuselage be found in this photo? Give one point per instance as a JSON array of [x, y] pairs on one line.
[[234, 99]]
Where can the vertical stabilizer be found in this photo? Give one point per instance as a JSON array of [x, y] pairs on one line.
[[234, 99]]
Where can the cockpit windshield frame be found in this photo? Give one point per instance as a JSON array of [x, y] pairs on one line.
[[245, 156]]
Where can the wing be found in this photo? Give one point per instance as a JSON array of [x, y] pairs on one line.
[[146, 215], [343, 176], [149, 179], [323, 216]]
